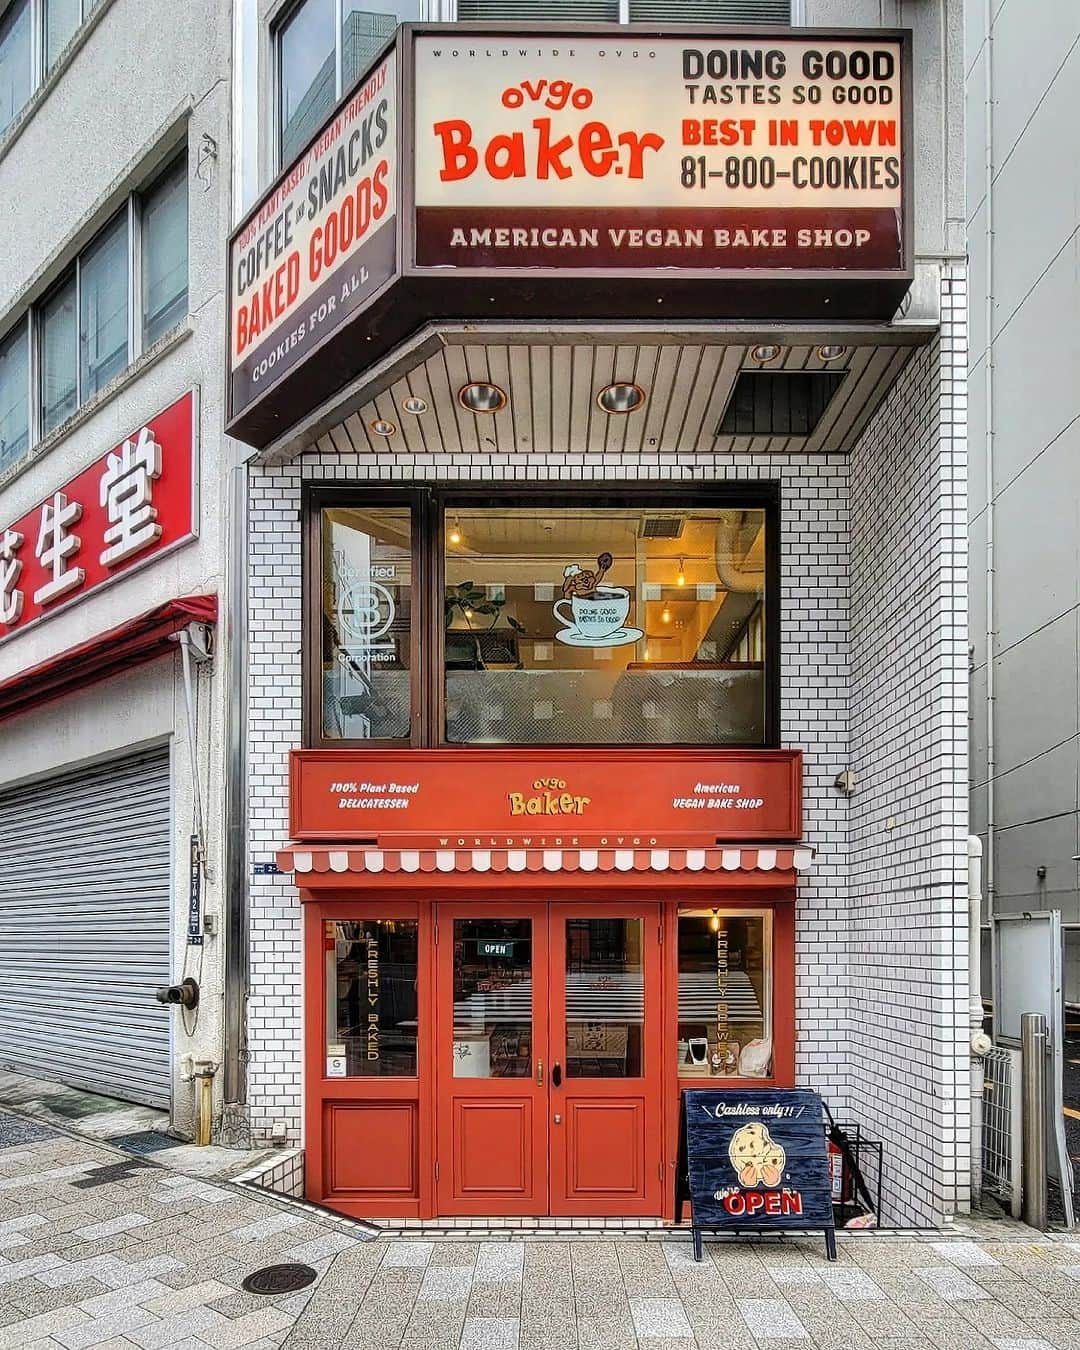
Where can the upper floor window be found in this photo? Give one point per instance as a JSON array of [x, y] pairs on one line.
[[100, 315], [323, 47], [587, 622], [24, 63]]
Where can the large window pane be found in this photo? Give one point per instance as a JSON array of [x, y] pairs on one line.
[[165, 254], [307, 74], [725, 994], [62, 17], [492, 998], [365, 29], [366, 623], [14, 395], [103, 308], [15, 57], [59, 356], [582, 625], [605, 998], [371, 1004]]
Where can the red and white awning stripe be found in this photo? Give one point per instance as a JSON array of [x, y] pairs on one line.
[[301, 861]]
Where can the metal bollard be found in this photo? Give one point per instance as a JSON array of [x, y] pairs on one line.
[[1033, 1086]]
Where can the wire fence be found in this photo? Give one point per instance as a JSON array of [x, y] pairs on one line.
[[1002, 1126]]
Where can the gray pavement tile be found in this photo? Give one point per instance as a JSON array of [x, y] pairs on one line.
[[963, 1253], [771, 1318], [203, 1323], [498, 1262], [950, 1283], [454, 1253], [660, 1317], [601, 1333], [101, 1329], [1021, 1343], [407, 1254], [490, 1333], [20, 1334], [253, 1326], [445, 1284]]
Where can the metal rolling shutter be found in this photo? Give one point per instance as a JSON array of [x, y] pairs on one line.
[[84, 928], [711, 11], [571, 11]]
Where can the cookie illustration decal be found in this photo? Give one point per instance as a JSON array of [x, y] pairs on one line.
[[756, 1157], [597, 613]]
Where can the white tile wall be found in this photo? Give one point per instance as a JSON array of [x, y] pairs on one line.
[[873, 661]]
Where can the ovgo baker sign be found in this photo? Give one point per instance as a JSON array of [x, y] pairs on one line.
[[320, 245], [614, 153]]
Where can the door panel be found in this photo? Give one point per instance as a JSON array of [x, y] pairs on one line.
[[605, 1043], [492, 969]]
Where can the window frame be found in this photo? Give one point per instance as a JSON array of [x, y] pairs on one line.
[[431, 503], [28, 337], [131, 210]]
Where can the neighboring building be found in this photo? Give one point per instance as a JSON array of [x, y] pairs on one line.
[[114, 172], [1025, 483], [606, 610]]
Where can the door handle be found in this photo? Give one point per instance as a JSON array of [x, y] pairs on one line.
[[539, 1073], [556, 1074]]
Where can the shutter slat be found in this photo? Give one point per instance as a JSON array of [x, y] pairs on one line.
[[525, 11], [85, 904], [711, 11]]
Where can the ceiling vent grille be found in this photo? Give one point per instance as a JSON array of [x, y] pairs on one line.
[[661, 527], [571, 11], [711, 11], [781, 403]]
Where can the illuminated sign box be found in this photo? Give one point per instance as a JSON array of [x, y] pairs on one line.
[[575, 173]]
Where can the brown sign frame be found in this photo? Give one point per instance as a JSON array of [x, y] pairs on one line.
[[414, 296]]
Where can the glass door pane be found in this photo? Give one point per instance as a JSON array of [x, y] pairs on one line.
[[371, 1003], [605, 998], [493, 1026]]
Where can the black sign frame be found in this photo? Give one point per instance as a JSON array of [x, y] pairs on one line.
[[698, 1152]]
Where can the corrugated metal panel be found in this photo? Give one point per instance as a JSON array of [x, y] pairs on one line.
[[527, 11], [84, 928], [711, 11]]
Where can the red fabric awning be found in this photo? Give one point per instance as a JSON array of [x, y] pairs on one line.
[[302, 860], [128, 644]]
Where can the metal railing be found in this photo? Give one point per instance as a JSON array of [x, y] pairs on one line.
[[1002, 1135]]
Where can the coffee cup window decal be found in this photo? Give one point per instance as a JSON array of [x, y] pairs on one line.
[[593, 614]]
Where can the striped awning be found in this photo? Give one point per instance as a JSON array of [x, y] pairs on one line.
[[304, 860]]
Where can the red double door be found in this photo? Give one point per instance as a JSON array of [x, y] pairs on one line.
[[548, 1038]]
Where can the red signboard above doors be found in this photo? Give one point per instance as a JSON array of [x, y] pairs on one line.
[[546, 799]]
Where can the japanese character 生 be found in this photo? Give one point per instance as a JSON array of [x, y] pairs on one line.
[[11, 598], [127, 486], [55, 545]]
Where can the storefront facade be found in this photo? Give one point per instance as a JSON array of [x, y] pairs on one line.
[[606, 707]]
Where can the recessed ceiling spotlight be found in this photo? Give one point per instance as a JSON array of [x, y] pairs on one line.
[[381, 427], [415, 405], [831, 352], [764, 351], [621, 398], [482, 397]]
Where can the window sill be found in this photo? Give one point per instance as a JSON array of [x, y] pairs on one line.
[[78, 40], [105, 394]]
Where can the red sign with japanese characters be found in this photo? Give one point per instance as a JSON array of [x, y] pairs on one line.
[[133, 504], [525, 798]]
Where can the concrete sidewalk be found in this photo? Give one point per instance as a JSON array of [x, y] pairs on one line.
[[101, 1249]]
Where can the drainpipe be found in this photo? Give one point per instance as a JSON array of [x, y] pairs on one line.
[[235, 888], [203, 1073], [979, 1041], [991, 748]]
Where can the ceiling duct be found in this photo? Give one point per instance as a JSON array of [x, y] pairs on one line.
[[734, 539], [661, 527]]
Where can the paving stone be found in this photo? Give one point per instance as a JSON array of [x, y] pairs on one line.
[[103, 1329], [408, 1254], [655, 1317], [445, 1284], [951, 1283], [490, 1333], [771, 1319]]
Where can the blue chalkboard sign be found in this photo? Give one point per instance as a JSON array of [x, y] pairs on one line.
[[754, 1160]]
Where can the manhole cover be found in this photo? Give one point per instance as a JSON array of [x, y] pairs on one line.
[[144, 1141], [283, 1279]]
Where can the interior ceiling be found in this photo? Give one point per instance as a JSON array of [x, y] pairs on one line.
[[552, 385]]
